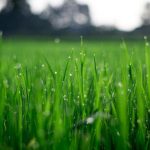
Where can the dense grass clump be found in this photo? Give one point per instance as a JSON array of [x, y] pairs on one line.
[[87, 101]]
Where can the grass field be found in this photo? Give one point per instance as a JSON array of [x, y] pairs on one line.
[[91, 94]]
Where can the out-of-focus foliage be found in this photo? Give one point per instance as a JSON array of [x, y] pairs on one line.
[[70, 14], [17, 5], [71, 17], [146, 15]]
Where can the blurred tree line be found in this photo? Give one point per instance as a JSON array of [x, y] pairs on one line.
[[70, 18], [17, 18], [144, 28], [146, 15], [17, 6]]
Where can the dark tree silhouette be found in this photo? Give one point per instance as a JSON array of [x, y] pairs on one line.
[[146, 15], [16, 18], [17, 6]]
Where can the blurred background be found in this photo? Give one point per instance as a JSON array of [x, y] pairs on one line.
[[72, 18]]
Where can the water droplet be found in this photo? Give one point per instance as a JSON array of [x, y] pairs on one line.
[[76, 59], [18, 66], [70, 74], [147, 44], [90, 120], [85, 96], [53, 89], [120, 84], [118, 133], [138, 121], [145, 37], [57, 40], [43, 65]]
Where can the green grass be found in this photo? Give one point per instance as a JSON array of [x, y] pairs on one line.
[[74, 95]]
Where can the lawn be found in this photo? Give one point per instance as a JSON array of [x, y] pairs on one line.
[[82, 94]]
